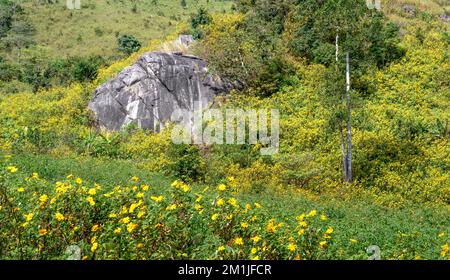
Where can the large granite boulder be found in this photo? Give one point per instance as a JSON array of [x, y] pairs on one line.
[[149, 91]]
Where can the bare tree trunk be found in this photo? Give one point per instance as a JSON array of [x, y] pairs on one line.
[[349, 125], [344, 155], [337, 50], [341, 134]]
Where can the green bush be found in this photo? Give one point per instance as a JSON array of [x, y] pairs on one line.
[[128, 44], [186, 162]]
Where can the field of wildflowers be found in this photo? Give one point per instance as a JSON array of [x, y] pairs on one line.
[[41, 219]]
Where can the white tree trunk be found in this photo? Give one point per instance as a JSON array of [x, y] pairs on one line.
[[349, 125]]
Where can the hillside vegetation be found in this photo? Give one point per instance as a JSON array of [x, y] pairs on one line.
[[46, 44], [133, 194]]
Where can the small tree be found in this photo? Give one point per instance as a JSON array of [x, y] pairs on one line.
[[367, 41], [128, 44]]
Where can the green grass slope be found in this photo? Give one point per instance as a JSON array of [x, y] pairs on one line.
[[92, 29]]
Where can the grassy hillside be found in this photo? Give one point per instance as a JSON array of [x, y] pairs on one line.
[[45, 44], [93, 29]]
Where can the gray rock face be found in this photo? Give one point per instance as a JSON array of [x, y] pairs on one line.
[[149, 91], [186, 40]]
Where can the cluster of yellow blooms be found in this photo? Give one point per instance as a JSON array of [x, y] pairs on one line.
[[142, 222]]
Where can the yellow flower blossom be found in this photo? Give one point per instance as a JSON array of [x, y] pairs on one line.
[[221, 248], [198, 207], [12, 169], [222, 187], [220, 202], [301, 232], [244, 225], [255, 239], [29, 217], [157, 198], [214, 217], [257, 205], [78, 181], [140, 214], [232, 201], [20, 189], [95, 228], [444, 249], [42, 232], [185, 188], [291, 247], [253, 251], [330, 230], [145, 188], [112, 215], [133, 206], [90, 200], [43, 198], [239, 241], [171, 207], [313, 213], [118, 230], [92, 191], [255, 258], [134, 178], [126, 220], [59, 217], [323, 217], [131, 227], [140, 195], [323, 244], [94, 247]]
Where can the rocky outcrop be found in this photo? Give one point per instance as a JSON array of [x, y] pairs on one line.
[[149, 91]]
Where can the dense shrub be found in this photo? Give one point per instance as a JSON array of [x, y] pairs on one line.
[[128, 44], [185, 162]]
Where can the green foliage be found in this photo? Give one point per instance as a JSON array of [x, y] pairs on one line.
[[367, 34], [40, 71], [201, 18], [185, 163], [8, 9], [128, 44]]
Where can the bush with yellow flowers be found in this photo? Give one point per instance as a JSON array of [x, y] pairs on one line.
[[40, 220]]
